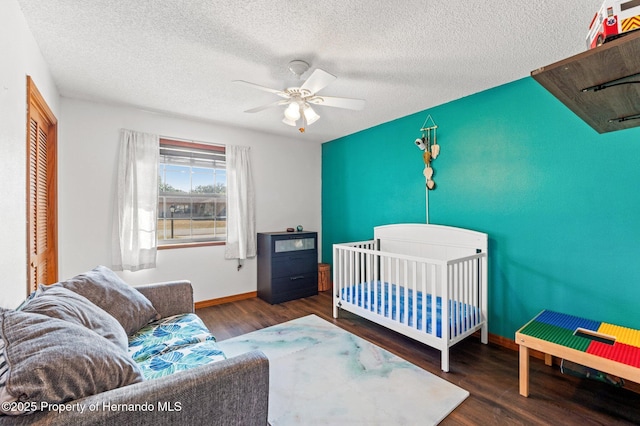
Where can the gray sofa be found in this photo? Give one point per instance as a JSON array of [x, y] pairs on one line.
[[233, 391]]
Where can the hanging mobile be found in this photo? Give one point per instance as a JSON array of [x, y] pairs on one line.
[[430, 151]]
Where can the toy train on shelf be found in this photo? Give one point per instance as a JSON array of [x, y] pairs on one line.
[[614, 19]]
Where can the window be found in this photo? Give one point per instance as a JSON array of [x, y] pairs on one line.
[[192, 193]]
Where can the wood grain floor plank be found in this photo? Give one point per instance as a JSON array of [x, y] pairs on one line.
[[488, 372]]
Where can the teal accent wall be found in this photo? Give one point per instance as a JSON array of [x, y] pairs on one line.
[[559, 201]]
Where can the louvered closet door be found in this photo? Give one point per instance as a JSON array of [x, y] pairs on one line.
[[42, 192]]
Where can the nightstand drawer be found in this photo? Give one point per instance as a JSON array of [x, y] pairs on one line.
[[295, 244], [294, 265], [294, 287]]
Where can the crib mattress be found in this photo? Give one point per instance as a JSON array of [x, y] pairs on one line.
[[387, 305]]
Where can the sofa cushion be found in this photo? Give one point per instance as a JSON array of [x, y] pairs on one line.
[[167, 333], [50, 361], [105, 289], [58, 302], [180, 358], [173, 344]]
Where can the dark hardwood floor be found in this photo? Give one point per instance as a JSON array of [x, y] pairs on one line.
[[488, 372]]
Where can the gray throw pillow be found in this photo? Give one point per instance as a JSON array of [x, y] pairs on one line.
[[66, 305], [106, 290], [53, 361]]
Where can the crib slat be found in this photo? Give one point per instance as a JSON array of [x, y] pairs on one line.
[[469, 303], [376, 279], [466, 299], [445, 303], [461, 284], [414, 286], [464, 296], [424, 296], [467, 290], [455, 314], [389, 289], [352, 280], [372, 282], [434, 301], [473, 273], [405, 290], [397, 292], [475, 288]]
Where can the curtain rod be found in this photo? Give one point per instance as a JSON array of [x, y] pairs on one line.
[[192, 151], [171, 138]]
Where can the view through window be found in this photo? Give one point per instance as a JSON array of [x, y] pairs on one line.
[[192, 193]]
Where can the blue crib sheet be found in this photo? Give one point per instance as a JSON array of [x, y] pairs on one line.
[[387, 306]]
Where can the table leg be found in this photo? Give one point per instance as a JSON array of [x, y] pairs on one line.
[[548, 359], [524, 370]]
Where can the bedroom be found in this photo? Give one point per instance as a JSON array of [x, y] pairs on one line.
[[557, 200]]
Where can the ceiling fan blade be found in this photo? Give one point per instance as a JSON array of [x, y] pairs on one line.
[[267, 106], [317, 81], [332, 101], [266, 89]]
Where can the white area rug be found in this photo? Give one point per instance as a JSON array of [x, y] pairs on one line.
[[323, 375]]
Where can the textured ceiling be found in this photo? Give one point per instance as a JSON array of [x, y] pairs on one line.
[[402, 56]]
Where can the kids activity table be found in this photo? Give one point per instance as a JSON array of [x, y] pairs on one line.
[[602, 346]]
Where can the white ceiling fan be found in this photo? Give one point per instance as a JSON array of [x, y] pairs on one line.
[[300, 99]]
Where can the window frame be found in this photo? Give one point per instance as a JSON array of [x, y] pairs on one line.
[[189, 145]]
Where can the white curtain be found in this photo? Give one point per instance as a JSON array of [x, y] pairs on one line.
[[134, 221], [241, 218]]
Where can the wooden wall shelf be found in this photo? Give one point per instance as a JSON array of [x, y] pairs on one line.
[[601, 109]]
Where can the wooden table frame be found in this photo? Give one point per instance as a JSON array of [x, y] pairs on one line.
[[550, 350]]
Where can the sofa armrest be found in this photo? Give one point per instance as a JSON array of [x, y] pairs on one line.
[[169, 298], [230, 392]]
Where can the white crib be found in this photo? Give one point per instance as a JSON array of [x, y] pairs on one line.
[[400, 278]]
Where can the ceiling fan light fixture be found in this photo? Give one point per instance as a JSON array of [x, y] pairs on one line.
[[310, 115], [289, 122], [297, 100], [292, 112]]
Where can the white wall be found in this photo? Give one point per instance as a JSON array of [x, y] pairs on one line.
[[286, 173], [19, 57]]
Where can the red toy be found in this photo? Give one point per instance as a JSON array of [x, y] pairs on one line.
[[614, 19]]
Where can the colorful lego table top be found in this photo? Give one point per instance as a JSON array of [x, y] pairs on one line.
[[601, 339]]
